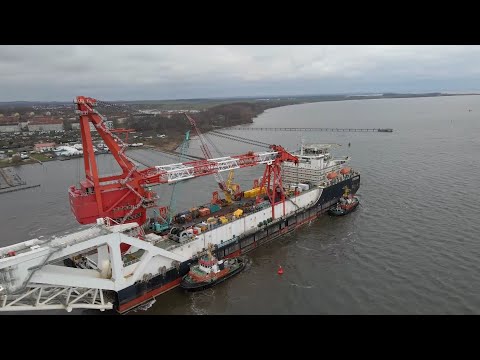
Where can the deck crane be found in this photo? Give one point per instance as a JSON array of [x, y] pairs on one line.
[[227, 188], [166, 214], [126, 197]]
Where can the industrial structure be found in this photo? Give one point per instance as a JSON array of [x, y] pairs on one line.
[[119, 261]]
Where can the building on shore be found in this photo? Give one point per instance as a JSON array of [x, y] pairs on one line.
[[45, 124], [9, 124], [108, 125], [9, 127], [42, 147]]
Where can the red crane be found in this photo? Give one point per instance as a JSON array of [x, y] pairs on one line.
[[123, 131], [125, 197]]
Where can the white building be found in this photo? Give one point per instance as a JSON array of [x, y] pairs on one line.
[[108, 124], [38, 126], [67, 151], [42, 147], [42, 123], [9, 128]]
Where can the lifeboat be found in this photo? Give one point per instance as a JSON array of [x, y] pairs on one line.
[[345, 171], [331, 175]]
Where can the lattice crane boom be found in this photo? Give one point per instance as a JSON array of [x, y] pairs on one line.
[[125, 197]]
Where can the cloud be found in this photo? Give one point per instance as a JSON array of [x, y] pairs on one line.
[[171, 72]]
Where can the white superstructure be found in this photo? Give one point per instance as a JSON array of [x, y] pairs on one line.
[[315, 162]]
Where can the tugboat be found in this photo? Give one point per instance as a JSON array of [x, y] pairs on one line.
[[347, 204], [209, 271]]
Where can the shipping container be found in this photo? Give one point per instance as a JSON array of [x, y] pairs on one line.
[[204, 212], [214, 208], [238, 213]]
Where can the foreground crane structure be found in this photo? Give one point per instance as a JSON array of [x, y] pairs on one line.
[[125, 197], [32, 273]]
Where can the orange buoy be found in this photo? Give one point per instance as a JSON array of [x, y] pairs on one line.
[[280, 270]]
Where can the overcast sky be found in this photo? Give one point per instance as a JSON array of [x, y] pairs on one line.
[[59, 73]]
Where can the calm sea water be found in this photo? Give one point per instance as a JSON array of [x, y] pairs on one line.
[[413, 247]]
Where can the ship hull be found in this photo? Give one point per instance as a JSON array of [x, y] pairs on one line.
[[187, 286], [137, 294]]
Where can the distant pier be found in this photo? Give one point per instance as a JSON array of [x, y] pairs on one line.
[[10, 181], [311, 129], [9, 178], [17, 188]]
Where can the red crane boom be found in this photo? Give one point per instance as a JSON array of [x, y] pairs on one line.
[[125, 197]]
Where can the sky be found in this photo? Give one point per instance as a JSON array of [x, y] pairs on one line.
[[156, 72]]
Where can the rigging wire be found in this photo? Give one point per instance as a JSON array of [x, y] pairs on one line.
[[225, 136], [175, 155], [240, 138], [213, 145]]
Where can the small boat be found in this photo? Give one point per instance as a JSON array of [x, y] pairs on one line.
[[346, 205], [209, 271]]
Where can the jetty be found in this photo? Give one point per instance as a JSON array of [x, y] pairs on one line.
[[11, 181], [311, 129]]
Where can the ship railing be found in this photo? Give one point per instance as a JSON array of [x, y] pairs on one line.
[[131, 262], [216, 225], [79, 193], [258, 207], [227, 242], [173, 247]]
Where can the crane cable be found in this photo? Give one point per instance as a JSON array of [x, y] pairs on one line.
[[137, 112], [240, 139], [212, 132]]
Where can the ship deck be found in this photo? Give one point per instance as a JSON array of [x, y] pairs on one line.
[[228, 209]]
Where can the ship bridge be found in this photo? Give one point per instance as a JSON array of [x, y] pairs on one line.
[[314, 165], [316, 150]]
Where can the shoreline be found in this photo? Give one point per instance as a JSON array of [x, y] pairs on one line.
[[174, 142]]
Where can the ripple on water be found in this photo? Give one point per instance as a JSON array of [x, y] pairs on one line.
[[411, 247]]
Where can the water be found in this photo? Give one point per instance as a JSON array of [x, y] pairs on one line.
[[412, 247]]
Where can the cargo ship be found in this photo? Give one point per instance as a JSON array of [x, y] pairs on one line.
[[126, 258]]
